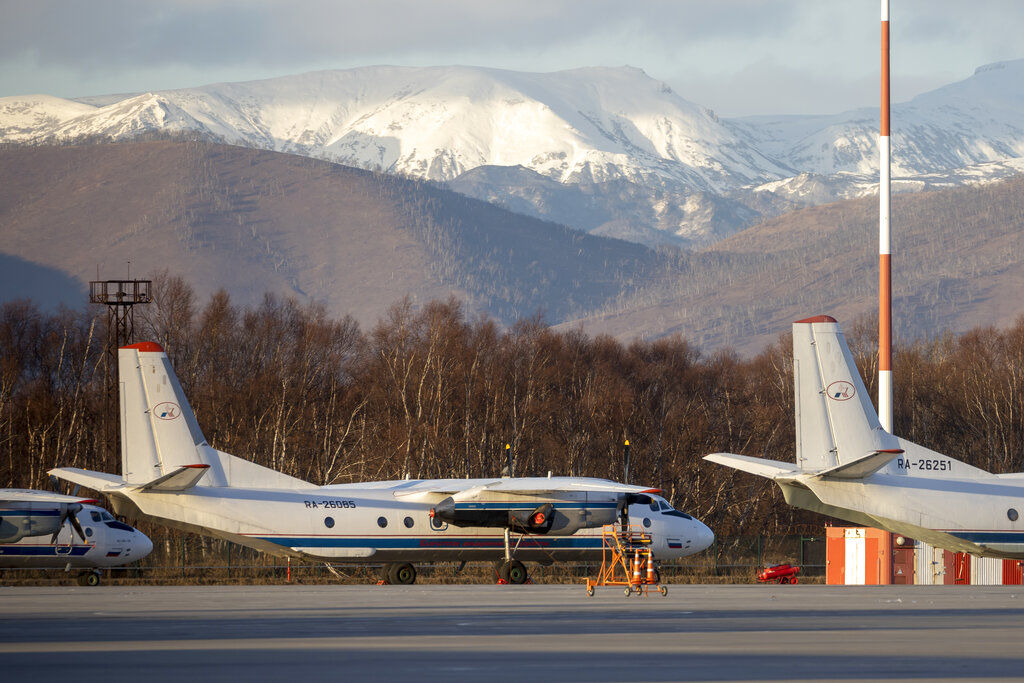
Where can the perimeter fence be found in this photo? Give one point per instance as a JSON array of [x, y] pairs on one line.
[[188, 559]]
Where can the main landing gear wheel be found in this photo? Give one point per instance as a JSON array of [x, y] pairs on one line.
[[89, 579], [402, 573], [512, 571]]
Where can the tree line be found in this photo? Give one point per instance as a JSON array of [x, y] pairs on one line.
[[437, 391]]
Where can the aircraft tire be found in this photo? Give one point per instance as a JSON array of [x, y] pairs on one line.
[[402, 574], [517, 572], [89, 579]]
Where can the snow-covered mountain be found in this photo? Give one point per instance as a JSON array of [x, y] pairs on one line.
[[583, 125], [613, 146], [975, 121]]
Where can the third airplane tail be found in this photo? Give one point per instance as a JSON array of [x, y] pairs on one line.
[[837, 429], [836, 424]]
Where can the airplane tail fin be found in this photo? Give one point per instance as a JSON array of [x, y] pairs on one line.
[[159, 431], [836, 423], [162, 446]]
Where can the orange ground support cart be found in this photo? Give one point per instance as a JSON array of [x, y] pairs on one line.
[[626, 560]]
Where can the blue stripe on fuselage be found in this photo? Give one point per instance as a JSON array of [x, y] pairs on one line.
[[406, 543], [15, 550], [988, 537]]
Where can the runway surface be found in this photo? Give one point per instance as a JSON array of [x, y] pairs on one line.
[[505, 633]]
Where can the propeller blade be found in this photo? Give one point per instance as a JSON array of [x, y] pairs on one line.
[[68, 511], [75, 525]]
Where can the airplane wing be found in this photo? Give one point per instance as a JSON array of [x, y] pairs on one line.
[[532, 486], [29, 496], [559, 484]]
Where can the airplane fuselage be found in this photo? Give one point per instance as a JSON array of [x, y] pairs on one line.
[[107, 543], [386, 523], [980, 516]]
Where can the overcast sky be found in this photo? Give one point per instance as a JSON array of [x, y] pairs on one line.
[[737, 57]]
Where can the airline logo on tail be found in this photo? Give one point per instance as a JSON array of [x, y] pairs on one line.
[[841, 391], [167, 411]]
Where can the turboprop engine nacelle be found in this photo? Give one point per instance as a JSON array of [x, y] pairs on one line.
[[24, 519], [539, 520]]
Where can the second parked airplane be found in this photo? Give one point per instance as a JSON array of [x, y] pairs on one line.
[[171, 475]]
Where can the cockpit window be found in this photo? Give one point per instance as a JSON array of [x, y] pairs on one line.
[[95, 516], [665, 506], [106, 516], [654, 505]]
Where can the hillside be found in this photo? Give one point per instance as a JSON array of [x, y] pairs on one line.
[[958, 263], [253, 221]]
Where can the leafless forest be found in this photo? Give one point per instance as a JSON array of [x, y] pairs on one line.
[[435, 392]]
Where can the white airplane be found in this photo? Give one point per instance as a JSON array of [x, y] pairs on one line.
[[38, 529], [847, 466], [171, 475]]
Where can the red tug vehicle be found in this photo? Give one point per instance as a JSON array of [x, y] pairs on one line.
[[779, 573]]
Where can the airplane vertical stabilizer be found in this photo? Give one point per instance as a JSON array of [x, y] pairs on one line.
[[815, 449], [159, 431], [836, 423]]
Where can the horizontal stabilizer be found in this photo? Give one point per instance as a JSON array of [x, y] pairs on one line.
[[181, 479], [97, 481], [771, 469], [862, 467]]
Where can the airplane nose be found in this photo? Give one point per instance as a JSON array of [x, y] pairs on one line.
[[142, 546], [704, 537]]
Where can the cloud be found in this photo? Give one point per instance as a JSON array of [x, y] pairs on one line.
[[70, 48]]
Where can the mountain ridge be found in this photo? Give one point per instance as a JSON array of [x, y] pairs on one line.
[[597, 131]]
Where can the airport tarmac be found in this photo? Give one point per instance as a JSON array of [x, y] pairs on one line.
[[511, 633]]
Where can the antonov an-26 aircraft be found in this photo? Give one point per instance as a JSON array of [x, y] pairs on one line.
[[38, 530], [171, 475], [847, 466]]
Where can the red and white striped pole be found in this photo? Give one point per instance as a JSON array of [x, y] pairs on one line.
[[884, 248]]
